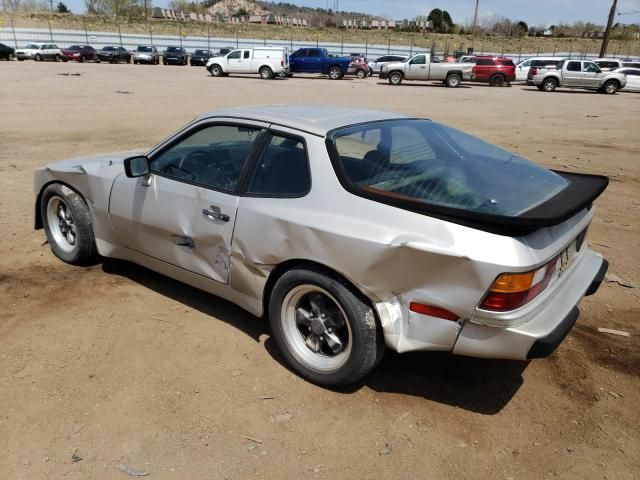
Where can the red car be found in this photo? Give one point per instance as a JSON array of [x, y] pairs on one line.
[[79, 53], [495, 70], [358, 66]]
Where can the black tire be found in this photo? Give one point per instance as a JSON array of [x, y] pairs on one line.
[[453, 80], [365, 345], [610, 87], [497, 80], [549, 84], [57, 58], [216, 70], [83, 251], [83, 59], [266, 73], [10, 57], [335, 73], [361, 74], [395, 78], [21, 59], [37, 58], [370, 72]]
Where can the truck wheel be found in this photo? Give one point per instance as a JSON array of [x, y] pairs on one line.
[[610, 87], [496, 81], [395, 78], [266, 73], [335, 73], [453, 80], [215, 70], [549, 84], [326, 330], [361, 74]]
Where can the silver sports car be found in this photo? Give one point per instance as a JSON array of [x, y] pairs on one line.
[[351, 229]]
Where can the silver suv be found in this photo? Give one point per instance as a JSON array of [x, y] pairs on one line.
[[146, 54]]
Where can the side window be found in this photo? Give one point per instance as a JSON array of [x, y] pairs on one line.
[[235, 54], [213, 156], [283, 169], [484, 61], [573, 66], [303, 53], [409, 146], [247, 54], [526, 64], [314, 52], [419, 60], [591, 67], [383, 59]]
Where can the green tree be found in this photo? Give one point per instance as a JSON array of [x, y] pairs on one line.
[[442, 22], [522, 28], [62, 8]]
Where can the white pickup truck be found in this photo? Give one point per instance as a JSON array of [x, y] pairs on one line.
[[578, 74], [421, 67], [268, 62]]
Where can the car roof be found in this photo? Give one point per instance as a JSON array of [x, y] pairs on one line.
[[315, 119]]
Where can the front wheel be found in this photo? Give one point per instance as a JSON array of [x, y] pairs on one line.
[[215, 70], [395, 78], [266, 73], [453, 80], [324, 328], [10, 57], [361, 74], [611, 87], [68, 226], [335, 73]]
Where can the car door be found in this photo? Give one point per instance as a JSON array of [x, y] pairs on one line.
[[417, 68], [315, 61], [523, 70], [572, 75], [591, 75], [234, 61], [183, 213], [245, 63]]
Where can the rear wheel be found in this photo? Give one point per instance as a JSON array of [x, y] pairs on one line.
[[38, 58], [549, 84], [215, 70], [10, 57], [324, 327], [453, 80], [266, 73], [610, 87], [395, 78], [361, 74], [83, 59], [335, 73], [496, 80], [67, 224]]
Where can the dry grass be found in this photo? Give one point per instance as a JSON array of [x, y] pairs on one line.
[[321, 35]]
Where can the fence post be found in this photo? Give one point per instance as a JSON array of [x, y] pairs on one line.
[[291, 38], [317, 40], [237, 42], [342, 44], [180, 33], [86, 34], [13, 29], [150, 34], [208, 39], [366, 47], [50, 32], [388, 45], [570, 48], [555, 46]]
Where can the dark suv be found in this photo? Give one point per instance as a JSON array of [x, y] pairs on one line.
[[7, 52], [200, 57], [175, 56], [497, 71], [113, 55], [79, 53]]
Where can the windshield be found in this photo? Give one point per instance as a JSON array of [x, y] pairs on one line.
[[32, 46], [200, 52], [429, 163], [173, 49], [74, 48], [143, 49]]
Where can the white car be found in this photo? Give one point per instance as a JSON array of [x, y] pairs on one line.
[[633, 78], [40, 52], [608, 64], [378, 63], [268, 62], [522, 68]]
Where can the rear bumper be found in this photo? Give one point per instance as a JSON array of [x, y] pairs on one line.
[[539, 336]]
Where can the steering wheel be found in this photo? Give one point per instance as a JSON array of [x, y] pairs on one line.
[[202, 156]]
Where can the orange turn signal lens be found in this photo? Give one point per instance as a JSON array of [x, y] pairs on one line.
[[513, 282]]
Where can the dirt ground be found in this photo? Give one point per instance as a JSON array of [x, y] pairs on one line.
[[116, 367]]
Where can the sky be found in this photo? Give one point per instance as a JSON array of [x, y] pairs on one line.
[[533, 12]]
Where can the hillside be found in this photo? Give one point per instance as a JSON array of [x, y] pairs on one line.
[[229, 8]]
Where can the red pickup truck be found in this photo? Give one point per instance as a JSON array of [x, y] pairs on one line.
[[497, 71]]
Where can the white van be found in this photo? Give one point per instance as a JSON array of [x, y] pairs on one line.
[[265, 61], [522, 68]]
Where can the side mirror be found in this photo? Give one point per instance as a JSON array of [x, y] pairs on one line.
[[137, 166]]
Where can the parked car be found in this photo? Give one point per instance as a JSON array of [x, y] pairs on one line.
[[579, 74], [318, 60], [146, 54], [421, 67], [358, 67], [175, 56], [633, 78], [200, 57], [497, 71], [544, 63], [608, 64], [268, 62], [6, 52], [631, 64], [224, 50], [413, 235], [522, 68], [113, 55], [378, 63], [80, 53], [40, 52]]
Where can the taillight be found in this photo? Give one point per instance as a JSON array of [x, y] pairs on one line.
[[432, 311], [513, 290]]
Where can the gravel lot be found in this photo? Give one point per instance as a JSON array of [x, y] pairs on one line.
[[115, 367]]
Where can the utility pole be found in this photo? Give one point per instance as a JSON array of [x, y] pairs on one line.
[[607, 32], [475, 19]]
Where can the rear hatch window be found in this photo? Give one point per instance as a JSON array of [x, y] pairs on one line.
[[427, 163]]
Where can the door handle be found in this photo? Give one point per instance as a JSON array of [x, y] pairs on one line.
[[183, 241], [215, 216]]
